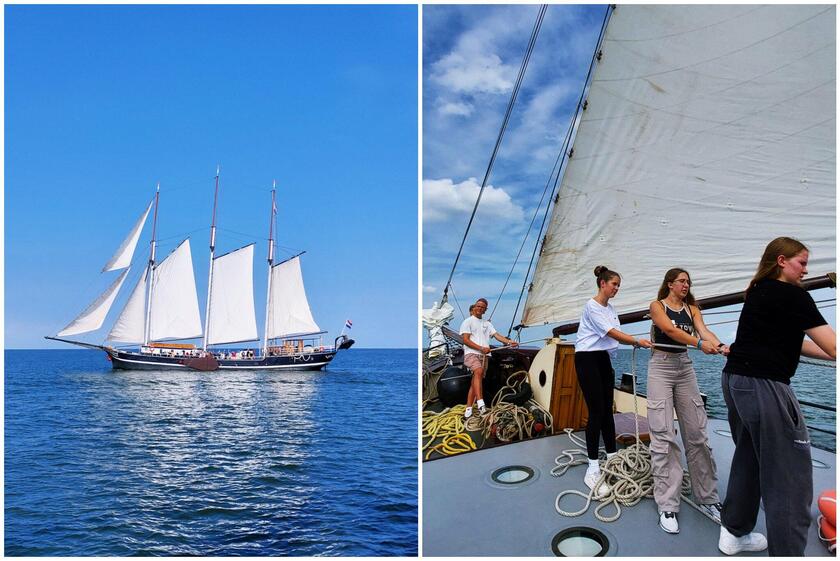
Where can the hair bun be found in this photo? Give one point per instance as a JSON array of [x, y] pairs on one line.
[[599, 269]]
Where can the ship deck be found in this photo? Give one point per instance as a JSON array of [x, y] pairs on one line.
[[465, 513]]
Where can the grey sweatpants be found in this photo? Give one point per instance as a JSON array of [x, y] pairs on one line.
[[672, 384], [772, 462]]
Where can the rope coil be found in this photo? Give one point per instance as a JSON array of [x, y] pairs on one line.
[[628, 473], [506, 421]]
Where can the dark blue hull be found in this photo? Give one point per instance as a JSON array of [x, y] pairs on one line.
[[126, 360]]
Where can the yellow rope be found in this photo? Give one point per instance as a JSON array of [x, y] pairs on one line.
[[447, 425], [455, 444], [511, 422]]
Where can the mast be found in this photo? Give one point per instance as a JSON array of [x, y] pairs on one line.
[[151, 270], [210, 274], [270, 263]]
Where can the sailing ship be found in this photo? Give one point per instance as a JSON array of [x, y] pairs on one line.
[[163, 308], [702, 132]]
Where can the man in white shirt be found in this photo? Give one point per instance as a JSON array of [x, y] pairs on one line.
[[476, 333]]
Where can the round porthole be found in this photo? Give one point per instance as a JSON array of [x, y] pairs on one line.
[[512, 475], [542, 378], [580, 542], [818, 464]]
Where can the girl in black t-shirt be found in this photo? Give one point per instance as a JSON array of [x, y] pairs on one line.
[[772, 458]]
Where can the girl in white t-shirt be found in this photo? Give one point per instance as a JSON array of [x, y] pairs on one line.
[[598, 337]]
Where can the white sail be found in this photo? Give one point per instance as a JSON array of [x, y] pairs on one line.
[[91, 319], [123, 255], [174, 313], [232, 318], [434, 319], [709, 131], [130, 326], [289, 312]]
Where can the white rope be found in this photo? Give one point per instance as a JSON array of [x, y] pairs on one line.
[[510, 421], [628, 473]]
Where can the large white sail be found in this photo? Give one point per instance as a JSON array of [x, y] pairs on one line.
[[91, 319], [289, 312], [174, 313], [130, 326], [232, 318], [122, 257], [709, 131]]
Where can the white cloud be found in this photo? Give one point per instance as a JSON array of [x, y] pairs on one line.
[[462, 109], [471, 58], [428, 289], [445, 200], [476, 72]]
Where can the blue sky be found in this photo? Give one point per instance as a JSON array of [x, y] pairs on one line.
[[471, 57], [102, 102]]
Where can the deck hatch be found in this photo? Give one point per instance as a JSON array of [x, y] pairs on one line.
[[512, 475], [580, 541]]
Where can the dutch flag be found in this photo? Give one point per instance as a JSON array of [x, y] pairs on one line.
[[348, 324]]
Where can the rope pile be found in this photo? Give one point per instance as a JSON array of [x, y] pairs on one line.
[[509, 421], [506, 421], [449, 426], [628, 473]]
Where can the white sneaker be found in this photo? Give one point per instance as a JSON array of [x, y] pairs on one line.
[[712, 511], [668, 522], [482, 410], [730, 545], [591, 478], [467, 412]]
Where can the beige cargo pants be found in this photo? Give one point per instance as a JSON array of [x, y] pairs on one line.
[[672, 384]]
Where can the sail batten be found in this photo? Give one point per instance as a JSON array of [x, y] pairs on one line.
[[289, 311], [93, 316], [232, 318], [122, 257], [709, 131]]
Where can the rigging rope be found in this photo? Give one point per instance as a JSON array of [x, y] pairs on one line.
[[562, 157], [534, 32]]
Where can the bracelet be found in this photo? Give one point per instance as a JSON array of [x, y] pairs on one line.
[[699, 343]]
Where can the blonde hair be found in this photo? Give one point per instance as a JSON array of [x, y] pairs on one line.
[[768, 267]]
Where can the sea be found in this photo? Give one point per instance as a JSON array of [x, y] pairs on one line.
[[104, 463], [812, 383]]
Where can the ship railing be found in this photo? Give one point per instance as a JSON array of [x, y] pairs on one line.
[[822, 407], [437, 351]]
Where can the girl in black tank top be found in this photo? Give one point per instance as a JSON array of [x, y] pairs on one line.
[[672, 386], [681, 319]]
